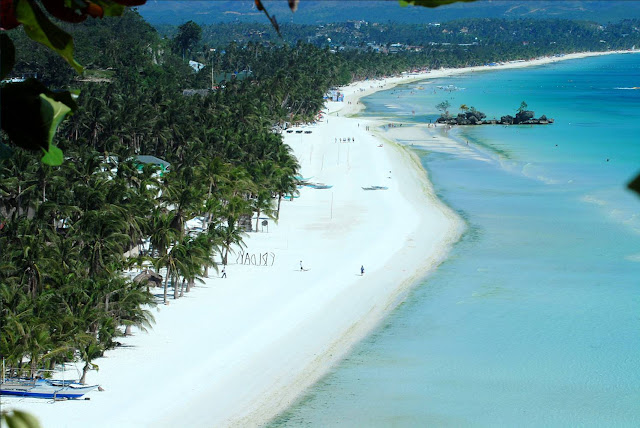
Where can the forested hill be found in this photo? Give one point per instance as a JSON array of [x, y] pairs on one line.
[[322, 12], [527, 36]]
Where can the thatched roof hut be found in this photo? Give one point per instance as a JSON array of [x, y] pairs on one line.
[[149, 277]]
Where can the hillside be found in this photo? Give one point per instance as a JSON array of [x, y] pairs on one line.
[[318, 12]]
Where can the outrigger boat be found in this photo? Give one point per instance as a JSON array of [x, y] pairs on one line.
[[43, 388]]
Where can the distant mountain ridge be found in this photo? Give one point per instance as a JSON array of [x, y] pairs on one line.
[[319, 12]]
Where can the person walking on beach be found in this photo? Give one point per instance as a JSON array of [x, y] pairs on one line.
[[224, 272], [301, 268], [362, 270]]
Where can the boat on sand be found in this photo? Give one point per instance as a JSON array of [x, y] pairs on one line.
[[44, 388]]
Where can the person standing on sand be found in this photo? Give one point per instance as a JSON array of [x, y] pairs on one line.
[[224, 272], [301, 269], [362, 270]]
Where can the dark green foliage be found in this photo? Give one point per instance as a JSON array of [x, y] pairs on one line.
[[8, 52], [484, 37], [31, 114], [188, 35], [313, 12], [635, 185], [18, 419], [64, 231]]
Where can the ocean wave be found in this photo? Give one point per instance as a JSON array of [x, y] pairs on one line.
[[531, 170], [593, 200], [620, 215], [629, 89], [633, 257]]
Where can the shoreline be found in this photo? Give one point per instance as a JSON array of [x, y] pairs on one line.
[[239, 351], [365, 87]]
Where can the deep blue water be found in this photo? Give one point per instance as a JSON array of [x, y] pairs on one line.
[[534, 319]]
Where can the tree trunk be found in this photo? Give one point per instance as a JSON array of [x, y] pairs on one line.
[[279, 200], [257, 220], [174, 280], [190, 284], [127, 330], [166, 285], [85, 370], [182, 287], [19, 200]]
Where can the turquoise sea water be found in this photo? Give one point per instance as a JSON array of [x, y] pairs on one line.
[[534, 319]]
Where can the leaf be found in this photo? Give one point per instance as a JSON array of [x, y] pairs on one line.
[[635, 185], [110, 8], [60, 10], [131, 3], [27, 122], [272, 19], [52, 113], [39, 28], [7, 55], [22, 420], [5, 152], [430, 3], [95, 10], [8, 15], [53, 156], [275, 25]]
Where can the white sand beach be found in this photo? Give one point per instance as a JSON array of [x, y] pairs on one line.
[[236, 351]]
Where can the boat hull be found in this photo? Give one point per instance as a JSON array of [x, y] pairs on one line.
[[43, 389]]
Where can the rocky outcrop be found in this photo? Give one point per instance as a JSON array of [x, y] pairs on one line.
[[507, 120], [475, 117], [523, 116]]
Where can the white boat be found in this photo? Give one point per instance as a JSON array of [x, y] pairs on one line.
[[44, 388]]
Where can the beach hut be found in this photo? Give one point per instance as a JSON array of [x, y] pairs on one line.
[[149, 278]]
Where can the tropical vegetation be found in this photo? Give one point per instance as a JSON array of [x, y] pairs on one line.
[[70, 234]]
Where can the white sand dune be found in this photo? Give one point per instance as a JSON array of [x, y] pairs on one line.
[[236, 351]]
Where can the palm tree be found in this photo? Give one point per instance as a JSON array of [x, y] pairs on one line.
[[29, 254], [230, 235], [162, 236], [183, 195], [192, 255], [127, 305], [262, 203], [103, 234], [171, 260], [214, 173], [285, 185]]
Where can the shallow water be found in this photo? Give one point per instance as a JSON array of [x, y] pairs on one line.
[[534, 319]]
